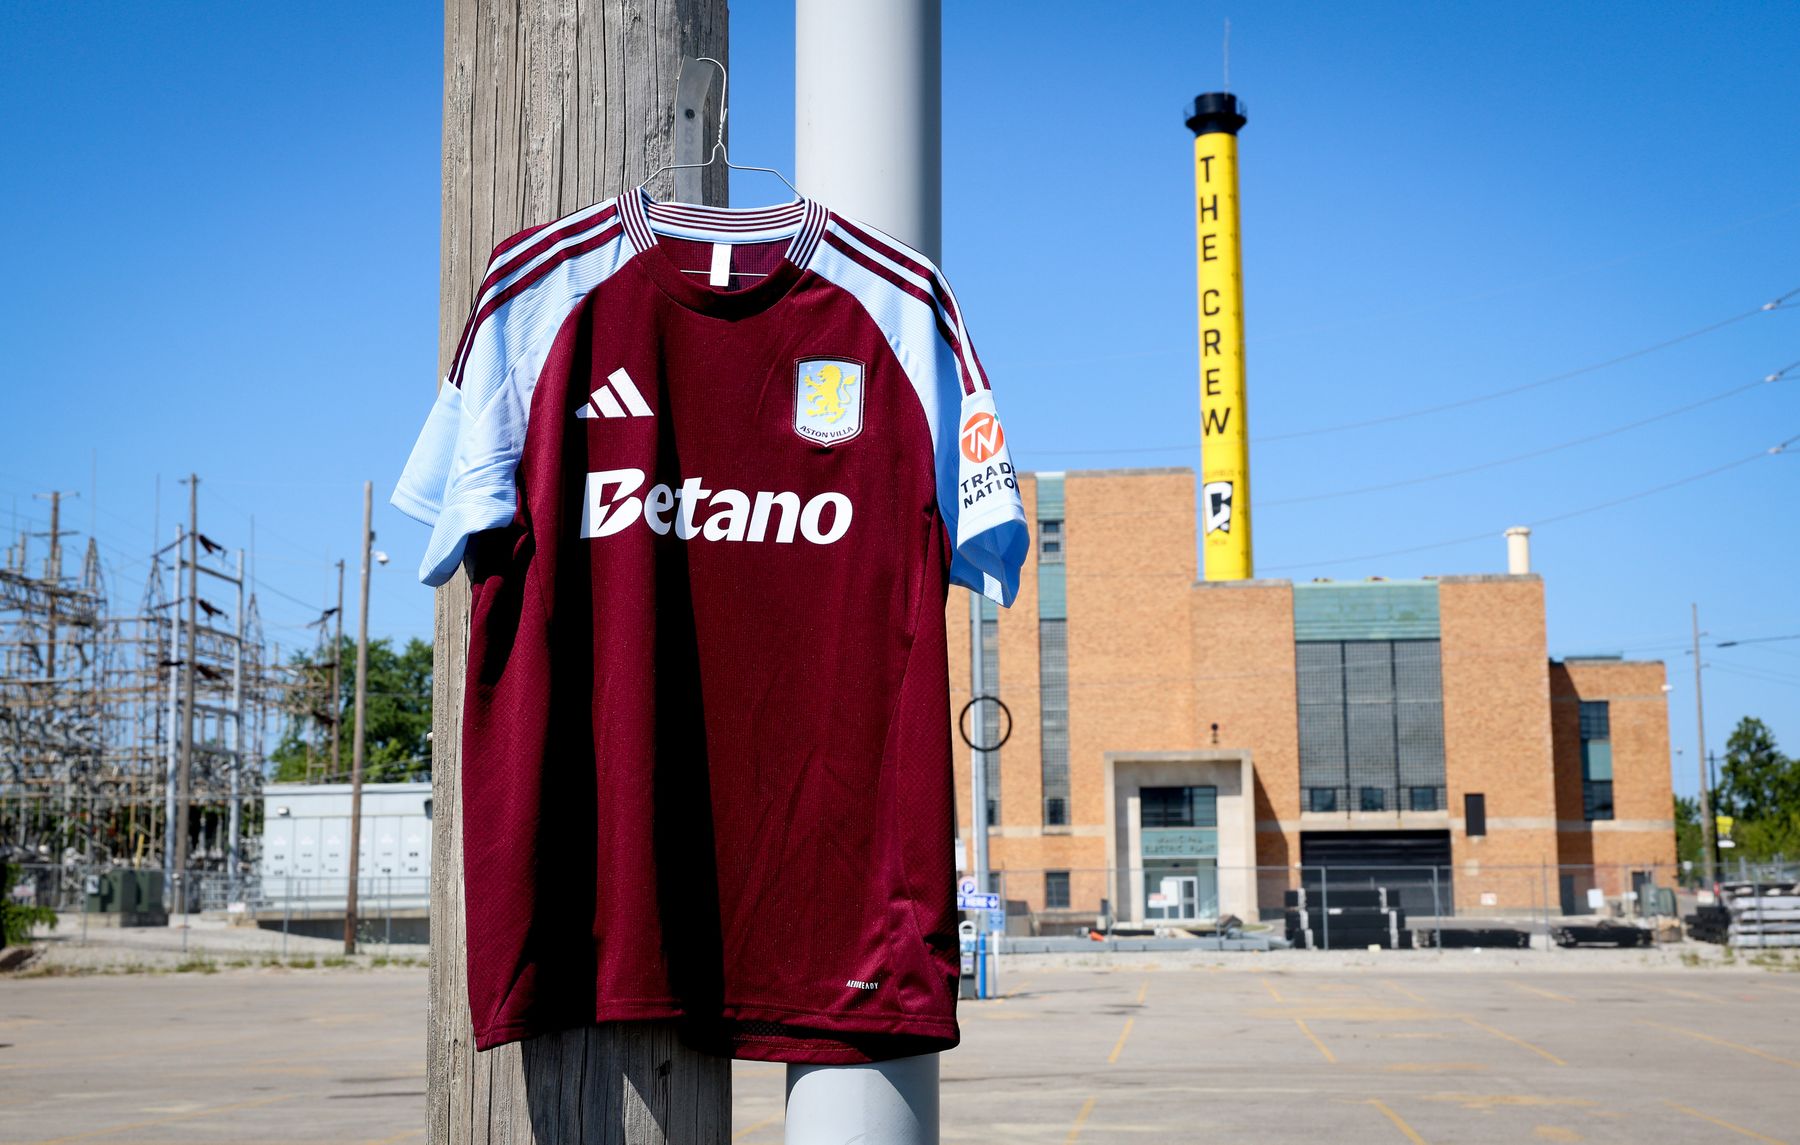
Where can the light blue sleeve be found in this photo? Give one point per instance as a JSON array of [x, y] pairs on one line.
[[984, 513], [461, 478]]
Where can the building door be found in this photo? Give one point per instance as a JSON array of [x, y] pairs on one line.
[[1413, 865]]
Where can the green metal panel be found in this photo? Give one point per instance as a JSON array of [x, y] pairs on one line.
[[1596, 759], [1376, 610], [1050, 497], [1053, 596], [1181, 842]]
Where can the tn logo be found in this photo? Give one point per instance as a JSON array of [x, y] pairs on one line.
[[982, 437]]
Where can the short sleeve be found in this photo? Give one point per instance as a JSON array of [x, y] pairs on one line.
[[987, 518]]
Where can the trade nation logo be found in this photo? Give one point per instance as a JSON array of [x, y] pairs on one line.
[[981, 437]]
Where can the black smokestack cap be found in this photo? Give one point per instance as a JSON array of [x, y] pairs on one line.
[[1216, 111]]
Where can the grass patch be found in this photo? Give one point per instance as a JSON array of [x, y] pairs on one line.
[[334, 961], [199, 964], [301, 964]]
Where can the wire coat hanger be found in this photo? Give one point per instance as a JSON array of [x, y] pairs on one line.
[[719, 150]]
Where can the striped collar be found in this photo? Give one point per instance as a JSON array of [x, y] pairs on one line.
[[801, 221]]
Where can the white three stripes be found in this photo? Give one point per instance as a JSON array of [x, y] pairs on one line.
[[606, 399]]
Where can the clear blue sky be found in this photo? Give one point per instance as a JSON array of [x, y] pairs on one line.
[[221, 226]]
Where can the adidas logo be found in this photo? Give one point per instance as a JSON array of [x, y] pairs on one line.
[[606, 399]]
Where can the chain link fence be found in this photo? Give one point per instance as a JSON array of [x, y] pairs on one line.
[[214, 914], [1555, 904]]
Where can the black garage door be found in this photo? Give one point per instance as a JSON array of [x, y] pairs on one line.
[[1406, 862]]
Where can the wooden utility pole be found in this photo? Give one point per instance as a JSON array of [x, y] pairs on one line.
[[549, 105], [337, 677], [362, 700], [1707, 849]]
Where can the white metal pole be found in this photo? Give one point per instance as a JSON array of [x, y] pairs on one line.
[[235, 822], [871, 148]]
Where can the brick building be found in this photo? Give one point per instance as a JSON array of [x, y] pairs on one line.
[[1180, 748]]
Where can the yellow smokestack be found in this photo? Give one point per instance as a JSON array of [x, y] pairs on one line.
[[1224, 430]]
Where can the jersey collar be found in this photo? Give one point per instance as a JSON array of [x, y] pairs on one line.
[[801, 222]]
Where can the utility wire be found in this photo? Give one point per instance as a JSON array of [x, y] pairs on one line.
[[1461, 403], [1487, 534], [1548, 449], [1780, 303]]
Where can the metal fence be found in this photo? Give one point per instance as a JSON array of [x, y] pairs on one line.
[[214, 913], [1198, 896]]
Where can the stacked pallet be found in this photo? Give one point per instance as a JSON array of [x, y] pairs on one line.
[[1711, 923], [1603, 933], [1351, 918], [1477, 938], [1763, 914]]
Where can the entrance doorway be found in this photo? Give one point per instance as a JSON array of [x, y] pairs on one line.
[[1181, 891]]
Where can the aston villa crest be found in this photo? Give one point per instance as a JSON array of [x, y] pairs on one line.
[[828, 399]]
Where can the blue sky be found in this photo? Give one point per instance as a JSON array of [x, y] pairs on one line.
[[222, 228]]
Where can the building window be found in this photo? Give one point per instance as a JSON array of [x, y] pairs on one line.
[[1321, 799], [1056, 890], [1372, 799], [1371, 716], [1050, 542], [1422, 798], [1475, 814], [1178, 807], [990, 713], [1596, 760], [1053, 708]]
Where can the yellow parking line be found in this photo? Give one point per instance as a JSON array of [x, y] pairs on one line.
[[1404, 992], [109, 1130], [1751, 1133], [1143, 990], [1119, 1046], [1764, 1054], [1314, 1038], [1270, 986], [1694, 994], [752, 1128], [1542, 993], [1087, 1107], [1538, 1050], [1399, 1123]]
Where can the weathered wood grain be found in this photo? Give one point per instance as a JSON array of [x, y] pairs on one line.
[[549, 105]]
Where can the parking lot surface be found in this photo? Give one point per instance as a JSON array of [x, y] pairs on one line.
[[1376, 1053]]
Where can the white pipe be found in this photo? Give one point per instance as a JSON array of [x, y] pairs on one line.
[[886, 1103], [868, 109], [1518, 550]]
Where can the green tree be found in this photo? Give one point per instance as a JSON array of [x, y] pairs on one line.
[[1757, 782], [398, 717], [1689, 842]]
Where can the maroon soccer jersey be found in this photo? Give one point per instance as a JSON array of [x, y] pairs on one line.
[[709, 522]]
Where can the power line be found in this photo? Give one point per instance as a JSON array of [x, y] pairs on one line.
[[1780, 303], [1462, 403], [1488, 534], [1535, 453]]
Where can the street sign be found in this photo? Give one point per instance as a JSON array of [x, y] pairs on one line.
[[996, 920], [965, 885], [977, 902]]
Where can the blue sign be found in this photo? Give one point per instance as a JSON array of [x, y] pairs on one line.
[[977, 902], [996, 920]]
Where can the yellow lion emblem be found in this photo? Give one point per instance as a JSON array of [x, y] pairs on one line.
[[827, 391]]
